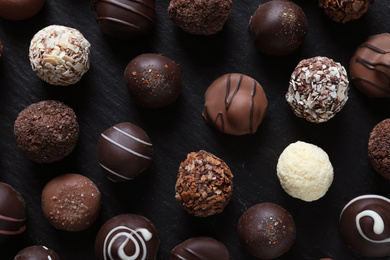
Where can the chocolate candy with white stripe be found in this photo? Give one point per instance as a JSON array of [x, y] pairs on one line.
[[200, 248], [124, 151]]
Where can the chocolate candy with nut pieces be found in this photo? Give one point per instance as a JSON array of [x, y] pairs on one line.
[[345, 10]]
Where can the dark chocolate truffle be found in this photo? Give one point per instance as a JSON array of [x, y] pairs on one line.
[[200, 248], [127, 236], [127, 19], [365, 222], [235, 104], [204, 184], [12, 212], [20, 9], [370, 67], [153, 80], [266, 230], [71, 202], [278, 27], [124, 151], [37, 253], [199, 17], [46, 131], [379, 148], [345, 10]]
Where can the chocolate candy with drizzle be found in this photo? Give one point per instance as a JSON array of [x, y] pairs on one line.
[[200, 248], [370, 67], [365, 223], [124, 151], [127, 236], [12, 212], [235, 104]]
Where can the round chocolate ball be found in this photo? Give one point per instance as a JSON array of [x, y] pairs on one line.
[[71, 202], [124, 151], [37, 253], [153, 80], [379, 148], [12, 212], [266, 230], [127, 236], [20, 9], [346, 10], [278, 27], [46, 131], [200, 248]]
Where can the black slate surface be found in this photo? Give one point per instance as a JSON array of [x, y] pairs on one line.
[[101, 100]]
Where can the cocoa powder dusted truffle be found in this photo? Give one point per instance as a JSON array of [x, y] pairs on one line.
[[343, 11], [318, 89], [37, 253], [379, 148], [204, 184]]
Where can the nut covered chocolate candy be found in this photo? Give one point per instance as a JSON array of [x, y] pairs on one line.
[[200, 248]]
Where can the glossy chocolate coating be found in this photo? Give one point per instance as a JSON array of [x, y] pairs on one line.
[[154, 81], [266, 230], [278, 27], [124, 151], [126, 19], [20, 9], [370, 67], [365, 223], [235, 104], [12, 212], [200, 248], [37, 253], [127, 236]]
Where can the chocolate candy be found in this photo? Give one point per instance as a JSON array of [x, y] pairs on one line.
[[128, 19], [266, 230], [370, 67], [37, 253], [124, 151], [12, 212], [71, 202], [200, 248], [365, 224], [379, 148], [278, 27], [235, 104], [127, 236], [20, 9], [345, 10], [153, 80]]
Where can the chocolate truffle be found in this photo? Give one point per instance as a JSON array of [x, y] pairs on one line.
[[266, 230], [71, 202], [154, 81], [345, 10], [318, 89], [124, 151], [278, 27], [59, 55], [370, 67], [200, 248], [127, 236], [46, 131], [127, 19], [1, 49], [37, 253], [20, 9], [365, 222], [204, 184], [12, 212], [235, 104], [199, 17], [379, 148]]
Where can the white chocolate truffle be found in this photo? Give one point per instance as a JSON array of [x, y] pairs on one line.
[[59, 55], [304, 171]]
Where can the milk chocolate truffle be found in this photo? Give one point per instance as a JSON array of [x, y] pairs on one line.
[[127, 236], [46, 131], [365, 222], [370, 67], [199, 17], [204, 184], [20, 9], [59, 55], [379, 148], [318, 89], [266, 230], [124, 151], [71, 202], [37, 253], [154, 81], [235, 104], [200, 248], [345, 10], [12, 212], [126, 19], [278, 27]]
